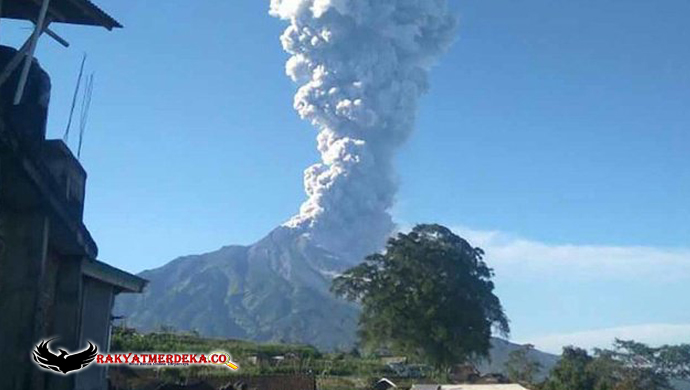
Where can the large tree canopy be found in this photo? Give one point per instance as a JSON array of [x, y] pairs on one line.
[[628, 366], [428, 295]]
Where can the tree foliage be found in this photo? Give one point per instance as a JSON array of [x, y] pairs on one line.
[[628, 366], [671, 361], [429, 295], [520, 368], [573, 371]]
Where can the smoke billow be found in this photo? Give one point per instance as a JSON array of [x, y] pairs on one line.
[[362, 66]]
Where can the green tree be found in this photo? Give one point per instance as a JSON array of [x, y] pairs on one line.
[[670, 361], [628, 366], [572, 372], [429, 295], [613, 374], [520, 368], [638, 366]]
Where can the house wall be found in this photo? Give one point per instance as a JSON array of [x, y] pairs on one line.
[[97, 304], [40, 300], [40, 287], [65, 314], [21, 267], [44, 293]]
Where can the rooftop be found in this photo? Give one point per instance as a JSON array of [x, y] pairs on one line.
[[82, 12], [122, 280], [468, 387]]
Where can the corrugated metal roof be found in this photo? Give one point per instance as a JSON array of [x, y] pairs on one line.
[[82, 12], [468, 387]]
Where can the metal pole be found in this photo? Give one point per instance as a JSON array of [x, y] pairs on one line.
[[65, 137], [14, 62], [30, 55], [53, 35], [0, 11]]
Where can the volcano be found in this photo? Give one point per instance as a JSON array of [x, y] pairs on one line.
[[361, 67], [274, 290]]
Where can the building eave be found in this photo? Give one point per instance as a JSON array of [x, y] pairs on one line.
[[106, 273], [81, 12]]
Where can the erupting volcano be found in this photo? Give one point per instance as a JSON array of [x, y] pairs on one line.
[[361, 67]]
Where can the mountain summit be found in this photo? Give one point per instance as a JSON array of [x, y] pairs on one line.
[[274, 290]]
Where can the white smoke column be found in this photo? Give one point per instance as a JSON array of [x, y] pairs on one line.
[[362, 66]]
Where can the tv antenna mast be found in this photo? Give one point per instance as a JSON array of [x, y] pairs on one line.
[[65, 137], [85, 106]]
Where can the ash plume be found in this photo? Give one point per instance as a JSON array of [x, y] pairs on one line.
[[362, 66]]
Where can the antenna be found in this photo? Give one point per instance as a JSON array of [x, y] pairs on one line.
[[65, 137], [85, 106]]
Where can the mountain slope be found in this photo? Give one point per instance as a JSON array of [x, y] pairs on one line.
[[274, 290]]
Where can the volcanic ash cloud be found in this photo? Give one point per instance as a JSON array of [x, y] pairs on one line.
[[362, 66]]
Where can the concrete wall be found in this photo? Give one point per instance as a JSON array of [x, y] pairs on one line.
[[44, 292], [95, 327], [40, 294], [40, 288], [65, 314], [21, 273]]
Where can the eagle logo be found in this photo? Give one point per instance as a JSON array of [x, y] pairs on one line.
[[64, 362]]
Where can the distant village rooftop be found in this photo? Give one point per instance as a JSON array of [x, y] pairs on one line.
[[469, 387]]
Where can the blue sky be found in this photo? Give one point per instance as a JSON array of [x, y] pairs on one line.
[[555, 134]]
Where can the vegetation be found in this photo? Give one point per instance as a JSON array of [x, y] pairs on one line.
[[428, 295], [253, 358], [168, 340], [628, 366], [573, 372], [520, 368]]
